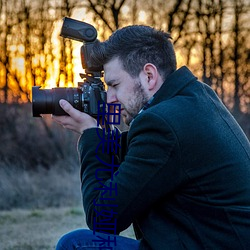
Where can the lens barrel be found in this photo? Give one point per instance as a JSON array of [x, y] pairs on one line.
[[46, 101]]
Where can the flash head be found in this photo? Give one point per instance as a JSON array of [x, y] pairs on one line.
[[76, 30]]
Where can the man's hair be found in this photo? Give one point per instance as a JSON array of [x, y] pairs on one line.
[[135, 46]]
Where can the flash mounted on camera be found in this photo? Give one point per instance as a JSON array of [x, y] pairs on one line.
[[90, 96], [82, 32]]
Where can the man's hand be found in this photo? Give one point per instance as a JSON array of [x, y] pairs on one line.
[[76, 121]]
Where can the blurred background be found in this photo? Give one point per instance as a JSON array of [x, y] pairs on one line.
[[38, 160]]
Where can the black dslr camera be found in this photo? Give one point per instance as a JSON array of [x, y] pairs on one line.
[[90, 96]]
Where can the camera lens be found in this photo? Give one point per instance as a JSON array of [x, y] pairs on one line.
[[46, 101]]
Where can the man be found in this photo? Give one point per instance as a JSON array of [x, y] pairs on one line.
[[184, 173]]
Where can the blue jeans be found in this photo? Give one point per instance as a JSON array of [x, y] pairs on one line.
[[87, 240]]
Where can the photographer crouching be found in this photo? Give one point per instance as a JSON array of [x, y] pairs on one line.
[[180, 175]]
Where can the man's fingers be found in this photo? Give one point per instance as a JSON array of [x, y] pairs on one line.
[[68, 108], [76, 120]]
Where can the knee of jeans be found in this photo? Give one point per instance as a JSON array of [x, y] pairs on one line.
[[62, 243], [66, 242], [70, 240]]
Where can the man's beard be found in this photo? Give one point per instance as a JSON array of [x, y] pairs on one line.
[[135, 103]]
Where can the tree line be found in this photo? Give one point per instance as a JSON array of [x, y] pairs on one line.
[[210, 36]]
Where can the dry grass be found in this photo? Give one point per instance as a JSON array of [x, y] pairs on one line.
[[21, 188], [39, 165], [36, 229], [40, 229]]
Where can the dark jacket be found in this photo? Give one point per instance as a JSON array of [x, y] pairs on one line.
[[185, 178]]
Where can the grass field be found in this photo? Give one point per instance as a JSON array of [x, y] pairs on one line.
[[40, 229]]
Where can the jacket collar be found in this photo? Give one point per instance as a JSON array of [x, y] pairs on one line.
[[173, 84]]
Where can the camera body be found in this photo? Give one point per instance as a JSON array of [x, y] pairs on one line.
[[90, 97]]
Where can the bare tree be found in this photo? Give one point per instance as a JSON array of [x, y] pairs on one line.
[[11, 89], [107, 11], [4, 56], [66, 8], [216, 31], [239, 53]]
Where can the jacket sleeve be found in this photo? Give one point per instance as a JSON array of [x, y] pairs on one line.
[[148, 173]]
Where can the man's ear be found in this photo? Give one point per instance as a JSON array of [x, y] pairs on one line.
[[152, 75]]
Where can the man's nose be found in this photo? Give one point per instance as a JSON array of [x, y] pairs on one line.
[[111, 97]]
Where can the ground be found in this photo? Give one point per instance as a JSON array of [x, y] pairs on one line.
[[40, 229]]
